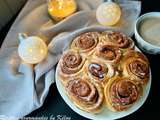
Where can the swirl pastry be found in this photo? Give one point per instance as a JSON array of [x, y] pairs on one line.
[[103, 66], [85, 95], [86, 42], [109, 53], [70, 65], [121, 93], [117, 39], [136, 66], [99, 72]]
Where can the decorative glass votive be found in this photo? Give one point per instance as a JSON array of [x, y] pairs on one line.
[[32, 49], [60, 9], [108, 13]]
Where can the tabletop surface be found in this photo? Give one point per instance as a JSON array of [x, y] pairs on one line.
[[54, 106]]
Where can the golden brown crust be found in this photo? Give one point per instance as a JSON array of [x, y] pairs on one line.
[[109, 53], [136, 66], [70, 65], [117, 39], [98, 71], [86, 42], [85, 95], [121, 93]]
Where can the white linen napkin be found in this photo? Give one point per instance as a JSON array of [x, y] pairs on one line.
[[23, 87]]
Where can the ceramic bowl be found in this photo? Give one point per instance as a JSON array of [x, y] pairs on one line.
[[144, 45]]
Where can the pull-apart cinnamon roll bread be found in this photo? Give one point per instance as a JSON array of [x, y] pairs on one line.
[[103, 67]]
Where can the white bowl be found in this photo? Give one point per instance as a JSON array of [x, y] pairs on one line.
[[146, 46]]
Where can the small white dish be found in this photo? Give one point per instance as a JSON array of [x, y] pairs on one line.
[[142, 43]]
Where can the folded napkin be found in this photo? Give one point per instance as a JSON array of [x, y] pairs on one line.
[[23, 87]]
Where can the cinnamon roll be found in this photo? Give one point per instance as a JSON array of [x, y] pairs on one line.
[[70, 65], [86, 42], [121, 93], [136, 66], [117, 39], [85, 95], [102, 67], [98, 71], [109, 53]]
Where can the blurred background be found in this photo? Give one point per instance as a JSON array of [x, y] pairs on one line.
[[9, 8]]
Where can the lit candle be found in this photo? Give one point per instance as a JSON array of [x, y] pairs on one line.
[[32, 49], [59, 9], [108, 13]]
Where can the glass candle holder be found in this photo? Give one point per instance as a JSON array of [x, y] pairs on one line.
[[60, 9], [108, 13]]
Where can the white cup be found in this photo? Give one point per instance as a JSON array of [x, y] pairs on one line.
[[146, 46]]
